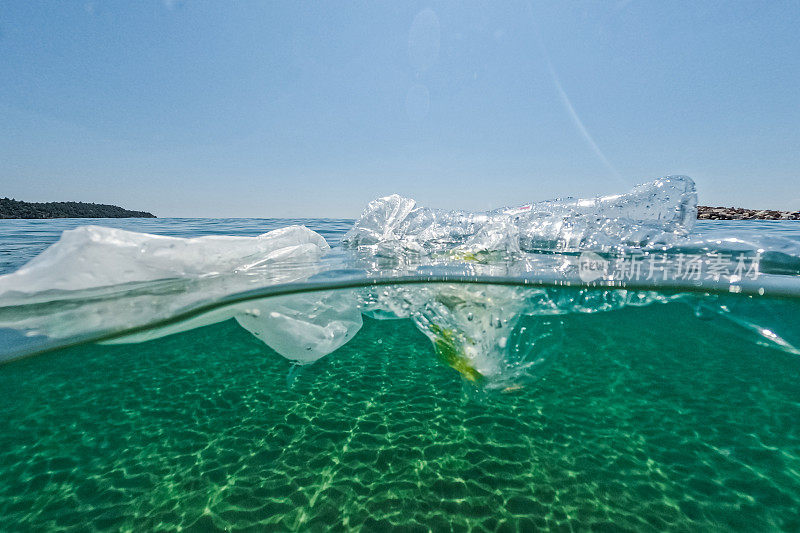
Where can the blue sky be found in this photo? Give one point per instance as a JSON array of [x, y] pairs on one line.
[[260, 109]]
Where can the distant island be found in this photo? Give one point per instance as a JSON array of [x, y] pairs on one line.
[[10, 208], [705, 212]]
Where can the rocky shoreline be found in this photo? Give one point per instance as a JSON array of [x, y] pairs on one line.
[[705, 212]]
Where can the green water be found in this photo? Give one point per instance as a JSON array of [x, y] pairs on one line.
[[638, 419]]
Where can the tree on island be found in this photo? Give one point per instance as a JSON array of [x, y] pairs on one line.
[[11, 208]]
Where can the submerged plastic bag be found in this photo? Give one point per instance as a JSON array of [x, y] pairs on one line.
[[95, 256], [105, 280]]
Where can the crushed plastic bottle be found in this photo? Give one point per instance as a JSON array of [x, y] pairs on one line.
[[654, 212]]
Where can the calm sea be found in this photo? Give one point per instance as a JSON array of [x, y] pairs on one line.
[[617, 410]]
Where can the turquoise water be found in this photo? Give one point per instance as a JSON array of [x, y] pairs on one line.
[[627, 426], [667, 416]]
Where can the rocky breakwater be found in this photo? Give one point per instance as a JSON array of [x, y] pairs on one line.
[[705, 212]]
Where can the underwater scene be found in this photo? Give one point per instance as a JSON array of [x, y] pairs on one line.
[[576, 364]]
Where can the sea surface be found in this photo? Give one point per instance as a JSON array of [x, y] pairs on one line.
[[473, 398]]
